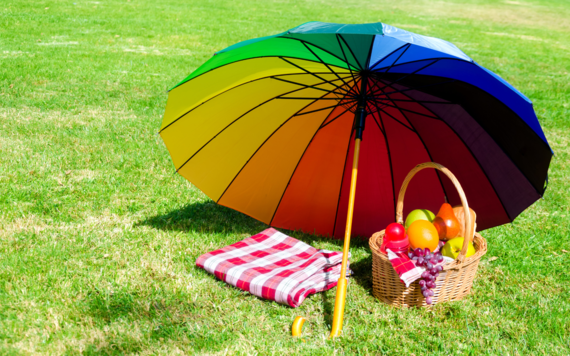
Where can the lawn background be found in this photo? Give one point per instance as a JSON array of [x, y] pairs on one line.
[[99, 236]]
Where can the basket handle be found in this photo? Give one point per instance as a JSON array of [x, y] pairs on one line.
[[447, 172]]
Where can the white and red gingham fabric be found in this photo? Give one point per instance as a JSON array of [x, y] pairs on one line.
[[274, 266], [406, 268]]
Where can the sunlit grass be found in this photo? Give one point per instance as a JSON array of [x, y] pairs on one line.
[[99, 236]]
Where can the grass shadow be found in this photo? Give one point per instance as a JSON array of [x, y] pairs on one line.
[[209, 217], [205, 217], [362, 273], [164, 317], [328, 307]]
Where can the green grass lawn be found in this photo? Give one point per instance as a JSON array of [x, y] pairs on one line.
[[99, 236]]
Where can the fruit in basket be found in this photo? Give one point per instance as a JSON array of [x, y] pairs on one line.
[[395, 232], [418, 214], [458, 211], [395, 239], [422, 234], [446, 223], [453, 247]]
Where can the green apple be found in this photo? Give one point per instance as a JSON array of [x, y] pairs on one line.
[[454, 246], [419, 214]]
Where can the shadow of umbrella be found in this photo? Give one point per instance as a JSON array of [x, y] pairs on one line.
[[205, 217], [209, 217]]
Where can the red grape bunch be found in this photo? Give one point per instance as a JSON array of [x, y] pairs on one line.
[[428, 260]]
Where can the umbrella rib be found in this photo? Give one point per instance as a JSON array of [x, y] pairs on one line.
[[454, 80], [389, 160], [414, 72], [427, 150], [237, 86], [411, 111], [375, 85], [314, 86], [319, 58], [241, 60], [324, 50], [231, 123], [342, 113], [392, 117], [254, 153], [388, 55], [421, 60], [305, 98], [328, 107], [323, 81], [415, 88], [418, 101], [474, 157], [351, 52], [344, 54], [311, 73], [295, 170], [377, 124], [205, 101], [404, 76], [370, 53]]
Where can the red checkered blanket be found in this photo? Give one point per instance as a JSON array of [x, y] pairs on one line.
[[274, 266]]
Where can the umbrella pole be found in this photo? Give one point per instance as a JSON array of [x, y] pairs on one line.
[[342, 281]]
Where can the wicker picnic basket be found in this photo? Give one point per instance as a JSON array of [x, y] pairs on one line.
[[454, 281]]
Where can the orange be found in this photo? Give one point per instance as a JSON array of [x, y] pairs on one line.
[[422, 234]]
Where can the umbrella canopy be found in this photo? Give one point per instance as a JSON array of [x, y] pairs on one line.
[[266, 127]]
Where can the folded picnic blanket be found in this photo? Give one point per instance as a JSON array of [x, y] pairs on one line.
[[274, 266]]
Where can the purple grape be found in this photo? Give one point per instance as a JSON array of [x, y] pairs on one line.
[[428, 300], [424, 288], [410, 255], [418, 252], [439, 268], [421, 261], [440, 258], [415, 258], [431, 292], [434, 271], [433, 261], [429, 265], [422, 282], [427, 251], [430, 284], [426, 293], [425, 275]]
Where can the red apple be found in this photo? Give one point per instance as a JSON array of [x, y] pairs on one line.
[[395, 232]]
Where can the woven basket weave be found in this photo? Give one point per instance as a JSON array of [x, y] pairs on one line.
[[454, 281]]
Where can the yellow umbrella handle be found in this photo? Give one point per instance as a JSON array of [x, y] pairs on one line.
[[297, 326], [342, 281]]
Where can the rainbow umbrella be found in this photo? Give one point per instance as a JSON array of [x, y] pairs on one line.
[[276, 127]]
